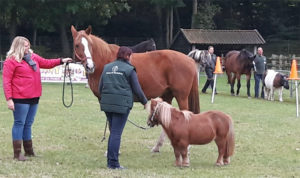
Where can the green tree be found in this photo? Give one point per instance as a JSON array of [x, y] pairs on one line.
[[167, 6]]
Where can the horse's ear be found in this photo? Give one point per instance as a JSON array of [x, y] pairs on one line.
[[74, 31], [88, 30]]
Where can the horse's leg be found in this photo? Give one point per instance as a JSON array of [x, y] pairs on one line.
[[248, 85], [280, 94], [232, 84], [185, 157], [272, 93], [177, 155], [167, 97], [238, 77], [228, 76], [221, 143]]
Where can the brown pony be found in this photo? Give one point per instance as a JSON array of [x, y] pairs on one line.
[[184, 128], [238, 63], [163, 73]]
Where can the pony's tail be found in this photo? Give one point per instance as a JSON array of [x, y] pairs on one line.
[[230, 139], [194, 104]]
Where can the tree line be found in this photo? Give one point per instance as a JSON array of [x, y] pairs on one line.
[[159, 19]]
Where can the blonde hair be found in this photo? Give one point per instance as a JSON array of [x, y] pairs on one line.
[[17, 48]]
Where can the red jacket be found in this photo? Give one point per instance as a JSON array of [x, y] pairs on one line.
[[20, 81]]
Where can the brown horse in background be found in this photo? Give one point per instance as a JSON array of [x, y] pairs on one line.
[[237, 63], [184, 128], [161, 73]]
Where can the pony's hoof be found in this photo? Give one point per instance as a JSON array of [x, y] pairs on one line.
[[155, 150], [186, 165], [249, 97], [219, 164]]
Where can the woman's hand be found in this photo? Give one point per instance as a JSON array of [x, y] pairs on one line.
[[10, 104], [65, 60]]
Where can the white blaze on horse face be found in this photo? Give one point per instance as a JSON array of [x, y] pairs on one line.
[[90, 63]]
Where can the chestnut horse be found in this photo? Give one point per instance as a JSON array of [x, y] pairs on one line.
[[238, 63], [184, 128], [164, 73]]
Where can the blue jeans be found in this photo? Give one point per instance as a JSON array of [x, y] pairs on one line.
[[116, 125], [23, 119], [258, 78]]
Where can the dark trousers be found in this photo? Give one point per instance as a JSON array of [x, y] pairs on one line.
[[258, 78], [116, 125], [210, 79]]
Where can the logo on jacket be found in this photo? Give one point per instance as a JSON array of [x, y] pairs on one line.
[[115, 69]]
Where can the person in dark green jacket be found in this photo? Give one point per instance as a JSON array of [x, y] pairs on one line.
[[118, 86]]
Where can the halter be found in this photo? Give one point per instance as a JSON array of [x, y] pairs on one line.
[[155, 110], [81, 58]]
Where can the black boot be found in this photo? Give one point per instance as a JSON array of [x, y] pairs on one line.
[[17, 145], [28, 148], [205, 86]]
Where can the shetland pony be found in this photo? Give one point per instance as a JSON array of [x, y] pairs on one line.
[[184, 128], [274, 81], [201, 58]]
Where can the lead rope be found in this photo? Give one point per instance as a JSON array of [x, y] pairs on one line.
[[67, 67]]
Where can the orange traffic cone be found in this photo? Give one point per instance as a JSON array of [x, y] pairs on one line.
[[294, 71], [218, 68]]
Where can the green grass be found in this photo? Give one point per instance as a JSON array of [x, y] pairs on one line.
[[67, 140]]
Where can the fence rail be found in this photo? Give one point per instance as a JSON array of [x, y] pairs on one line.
[[281, 62]]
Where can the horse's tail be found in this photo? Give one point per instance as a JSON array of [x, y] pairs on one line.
[[230, 139], [194, 104]]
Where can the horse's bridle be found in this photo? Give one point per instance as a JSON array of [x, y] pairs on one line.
[[155, 110], [80, 58]]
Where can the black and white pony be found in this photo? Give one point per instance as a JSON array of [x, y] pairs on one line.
[[201, 58], [144, 46], [274, 81]]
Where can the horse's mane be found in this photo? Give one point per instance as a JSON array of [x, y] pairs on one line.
[[102, 46], [165, 113]]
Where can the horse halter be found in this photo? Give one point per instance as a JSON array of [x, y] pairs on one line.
[[81, 58], [155, 110]]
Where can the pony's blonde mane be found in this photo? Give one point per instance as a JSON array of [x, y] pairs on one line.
[[164, 111]]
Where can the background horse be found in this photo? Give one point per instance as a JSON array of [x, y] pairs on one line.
[[144, 46], [274, 81], [184, 128], [161, 73], [201, 57], [237, 63]]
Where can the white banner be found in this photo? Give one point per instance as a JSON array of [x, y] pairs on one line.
[[56, 74]]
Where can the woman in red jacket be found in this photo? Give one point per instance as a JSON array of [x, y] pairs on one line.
[[22, 88]]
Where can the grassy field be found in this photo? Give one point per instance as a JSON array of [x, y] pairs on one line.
[[67, 140]]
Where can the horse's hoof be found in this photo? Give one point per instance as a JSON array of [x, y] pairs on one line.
[[186, 165], [155, 150], [219, 164], [249, 97], [232, 94]]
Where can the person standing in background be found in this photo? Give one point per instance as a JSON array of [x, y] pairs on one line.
[[259, 64], [209, 70]]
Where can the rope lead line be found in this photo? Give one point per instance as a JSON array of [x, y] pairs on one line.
[[67, 67]]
